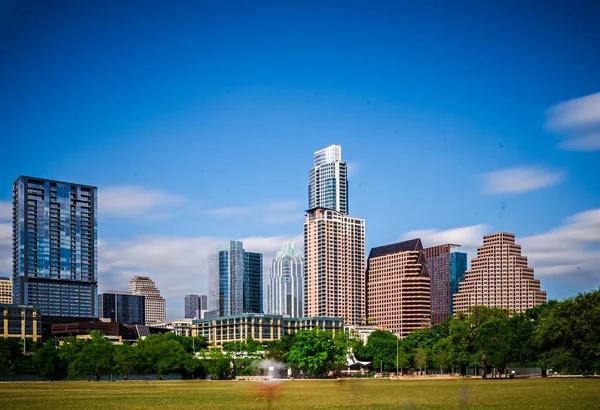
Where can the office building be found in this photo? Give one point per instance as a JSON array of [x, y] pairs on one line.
[[285, 292], [155, 305], [6, 290], [328, 186], [20, 321], [55, 264], [398, 287], [499, 277], [444, 273], [122, 307], [334, 268], [262, 328], [458, 267], [192, 306], [235, 281], [181, 327]]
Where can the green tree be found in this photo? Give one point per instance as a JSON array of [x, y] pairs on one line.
[[420, 360], [96, 356], [11, 352], [125, 359], [317, 352], [48, 362], [381, 350], [160, 356]]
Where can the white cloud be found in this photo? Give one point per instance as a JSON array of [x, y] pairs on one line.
[[571, 249], [578, 121], [135, 201], [5, 210], [178, 265], [520, 179], [269, 213]]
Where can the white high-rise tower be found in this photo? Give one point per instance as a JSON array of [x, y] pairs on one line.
[[286, 284], [329, 181]]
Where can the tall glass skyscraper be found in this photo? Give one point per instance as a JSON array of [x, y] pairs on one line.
[[458, 266], [286, 284], [235, 281], [55, 247], [328, 186]]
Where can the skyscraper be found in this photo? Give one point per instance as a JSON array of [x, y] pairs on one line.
[[334, 254], [6, 290], [192, 307], [286, 283], [122, 307], [499, 277], [155, 305], [443, 274], [55, 247], [458, 267], [235, 281], [398, 287], [328, 186]]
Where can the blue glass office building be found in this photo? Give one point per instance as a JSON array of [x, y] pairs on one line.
[[122, 307], [235, 281], [458, 266], [55, 247]]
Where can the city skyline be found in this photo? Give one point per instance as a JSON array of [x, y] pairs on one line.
[[446, 135]]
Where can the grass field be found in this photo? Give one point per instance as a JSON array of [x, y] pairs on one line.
[[375, 394]]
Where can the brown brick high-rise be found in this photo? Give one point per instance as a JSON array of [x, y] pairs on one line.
[[398, 287], [499, 277]]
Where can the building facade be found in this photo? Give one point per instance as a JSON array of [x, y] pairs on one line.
[[235, 281], [122, 307], [328, 187], [181, 327], [20, 321], [334, 269], [6, 290], [458, 267], [285, 292], [398, 287], [155, 305], [262, 328], [55, 264], [192, 307], [443, 273], [499, 277]]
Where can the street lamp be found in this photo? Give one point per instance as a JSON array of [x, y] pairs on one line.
[[397, 338]]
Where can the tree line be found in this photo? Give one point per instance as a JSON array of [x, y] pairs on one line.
[[563, 336]]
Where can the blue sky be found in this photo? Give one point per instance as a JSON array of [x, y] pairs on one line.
[[198, 122]]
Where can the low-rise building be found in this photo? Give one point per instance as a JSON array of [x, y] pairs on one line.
[[21, 321], [181, 327], [6, 290], [262, 328]]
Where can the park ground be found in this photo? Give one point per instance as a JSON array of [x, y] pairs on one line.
[[365, 393]]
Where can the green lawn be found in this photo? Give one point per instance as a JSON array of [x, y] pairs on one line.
[[376, 394]]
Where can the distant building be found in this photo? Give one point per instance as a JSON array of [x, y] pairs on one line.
[[192, 306], [458, 267], [122, 307], [55, 247], [262, 328], [398, 287], [20, 321], [6, 290], [499, 277], [444, 273], [285, 291], [235, 281], [181, 327], [155, 305], [334, 269], [328, 186]]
